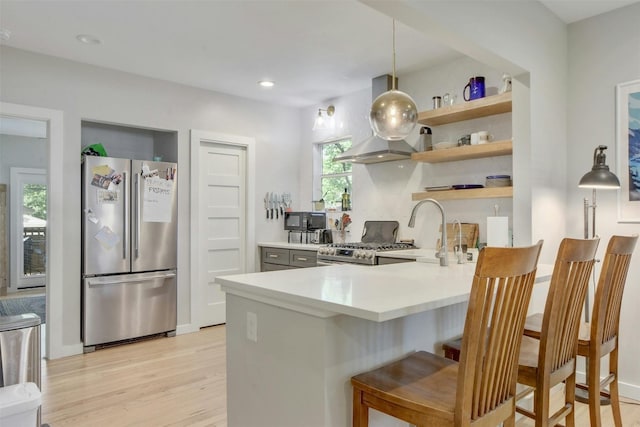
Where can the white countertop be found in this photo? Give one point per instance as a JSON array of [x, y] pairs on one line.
[[376, 293], [286, 245]]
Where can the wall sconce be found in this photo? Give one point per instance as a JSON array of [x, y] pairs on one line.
[[321, 123]]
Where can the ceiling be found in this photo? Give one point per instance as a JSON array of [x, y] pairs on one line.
[[313, 50], [576, 10]]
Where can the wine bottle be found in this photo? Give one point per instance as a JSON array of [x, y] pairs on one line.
[[346, 201]]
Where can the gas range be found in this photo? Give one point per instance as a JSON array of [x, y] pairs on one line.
[[378, 236], [357, 253]]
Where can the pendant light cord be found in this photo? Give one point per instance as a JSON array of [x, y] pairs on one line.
[[393, 81]]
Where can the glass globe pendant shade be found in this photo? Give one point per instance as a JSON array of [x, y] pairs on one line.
[[393, 115]]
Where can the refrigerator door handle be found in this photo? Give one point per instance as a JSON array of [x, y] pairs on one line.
[[137, 202], [102, 281], [125, 220]]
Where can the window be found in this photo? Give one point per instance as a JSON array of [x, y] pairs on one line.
[[331, 178]]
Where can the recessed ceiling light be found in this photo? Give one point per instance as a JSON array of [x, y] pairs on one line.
[[88, 39], [4, 34], [266, 83]]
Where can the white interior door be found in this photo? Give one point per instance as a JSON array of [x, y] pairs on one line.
[[222, 200]]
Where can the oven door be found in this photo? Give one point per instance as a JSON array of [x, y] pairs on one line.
[[333, 260], [328, 262]]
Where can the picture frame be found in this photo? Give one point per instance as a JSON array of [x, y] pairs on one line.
[[628, 149]]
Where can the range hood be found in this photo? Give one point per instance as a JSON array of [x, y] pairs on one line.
[[375, 149]]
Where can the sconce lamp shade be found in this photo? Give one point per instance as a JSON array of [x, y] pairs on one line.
[[320, 123], [393, 115], [600, 176]]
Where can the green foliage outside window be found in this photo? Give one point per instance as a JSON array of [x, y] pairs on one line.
[[335, 176], [35, 200]]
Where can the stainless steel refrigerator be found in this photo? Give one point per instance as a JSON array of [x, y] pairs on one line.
[[129, 246]]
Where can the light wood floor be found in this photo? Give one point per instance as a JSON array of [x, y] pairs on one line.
[[179, 381]]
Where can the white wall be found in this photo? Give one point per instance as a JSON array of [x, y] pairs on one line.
[[22, 152], [603, 52], [92, 93]]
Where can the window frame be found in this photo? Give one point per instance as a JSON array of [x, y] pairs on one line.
[[318, 174]]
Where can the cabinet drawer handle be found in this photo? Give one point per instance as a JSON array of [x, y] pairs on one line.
[[274, 256], [302, 259]]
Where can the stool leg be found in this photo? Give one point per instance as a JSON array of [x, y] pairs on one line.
[[541, 405], [613, 388], [570, 398], [511, 421], [593, 382], [360, 411]]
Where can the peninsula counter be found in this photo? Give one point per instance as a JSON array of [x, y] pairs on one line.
[[295, 337]]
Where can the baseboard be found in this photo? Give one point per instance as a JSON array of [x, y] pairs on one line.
[[632, 391], [61, 351], [187, 328]]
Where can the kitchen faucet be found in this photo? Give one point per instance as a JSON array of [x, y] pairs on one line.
[[458, 249], [442, 253]]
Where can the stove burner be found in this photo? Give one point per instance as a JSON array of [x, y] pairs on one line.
[[373, 246]]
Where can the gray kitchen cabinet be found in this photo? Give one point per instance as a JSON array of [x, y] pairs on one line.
[[302, 259], [273, 259]]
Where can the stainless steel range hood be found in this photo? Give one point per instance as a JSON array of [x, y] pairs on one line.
[[375, 149]]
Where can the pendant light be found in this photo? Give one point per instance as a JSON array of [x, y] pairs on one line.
[[393, 114]]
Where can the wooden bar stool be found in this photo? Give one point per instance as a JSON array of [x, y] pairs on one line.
[[601, 336], [552, 359], [428, 390], [546, 362]]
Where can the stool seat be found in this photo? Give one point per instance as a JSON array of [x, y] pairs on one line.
[[533, 326], [421, 381]]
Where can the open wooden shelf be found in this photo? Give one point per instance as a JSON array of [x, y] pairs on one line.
[[466, 152], [474, 193], [468, 110]]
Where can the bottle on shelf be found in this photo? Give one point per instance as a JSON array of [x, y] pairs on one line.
[[346, 201], [425, 139]]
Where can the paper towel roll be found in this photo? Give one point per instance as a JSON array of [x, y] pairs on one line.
[[498, 231]]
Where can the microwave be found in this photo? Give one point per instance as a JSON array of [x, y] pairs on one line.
[[305, 221]]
